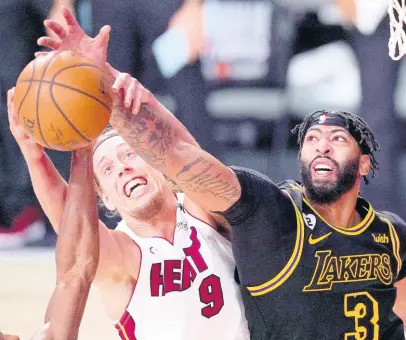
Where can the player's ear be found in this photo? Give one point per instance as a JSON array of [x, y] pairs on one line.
[[365, 165], [107, 202]]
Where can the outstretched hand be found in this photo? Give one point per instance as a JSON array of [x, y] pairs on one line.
[[75, 39], [133, 94]]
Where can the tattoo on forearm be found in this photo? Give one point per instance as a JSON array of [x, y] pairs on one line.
[[146, 132], [173, 184], [198, 176]]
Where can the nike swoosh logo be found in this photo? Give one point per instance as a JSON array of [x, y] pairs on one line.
[[318, 239]]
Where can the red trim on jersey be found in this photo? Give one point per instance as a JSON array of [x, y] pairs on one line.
[[126, 327]]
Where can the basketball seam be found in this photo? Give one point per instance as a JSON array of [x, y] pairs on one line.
[[66, 118], [77, 90], [28, 90], [38, 95], [68, 87]]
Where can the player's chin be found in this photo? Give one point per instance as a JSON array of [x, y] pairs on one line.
[[327, 179], [324, 183], [140, 201]]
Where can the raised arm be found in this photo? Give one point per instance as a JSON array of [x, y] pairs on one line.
[[51, 190], [153, 132], [49, 186], [77, 250], [77, 254], [157, 136]]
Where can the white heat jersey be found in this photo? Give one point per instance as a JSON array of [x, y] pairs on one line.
[[185, 290]]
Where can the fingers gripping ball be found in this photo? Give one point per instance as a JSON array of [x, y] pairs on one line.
[[63, 100]]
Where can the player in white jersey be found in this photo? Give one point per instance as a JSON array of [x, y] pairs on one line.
[[180, 269], [162, 273], [186, 286]]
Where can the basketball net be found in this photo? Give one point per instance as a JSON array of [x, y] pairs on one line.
[[397, 40]]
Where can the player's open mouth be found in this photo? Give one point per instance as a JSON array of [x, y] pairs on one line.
[[322, 169], [131, 186]]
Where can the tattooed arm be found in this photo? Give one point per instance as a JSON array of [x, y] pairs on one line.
[[164, 143]]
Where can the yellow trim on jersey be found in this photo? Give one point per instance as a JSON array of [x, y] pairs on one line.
[[356, 230], [295, 187], [395, 243], [290, 267], [347, 231], [123, 330]]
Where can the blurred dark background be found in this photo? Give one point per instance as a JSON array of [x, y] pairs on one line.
[[238, 73]]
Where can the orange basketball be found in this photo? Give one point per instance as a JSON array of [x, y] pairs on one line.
[[63, 100]]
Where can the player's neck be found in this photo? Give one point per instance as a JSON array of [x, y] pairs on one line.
[[341, 213], [161, 225]]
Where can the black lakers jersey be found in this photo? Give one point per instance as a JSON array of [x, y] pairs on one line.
[[303, 278]]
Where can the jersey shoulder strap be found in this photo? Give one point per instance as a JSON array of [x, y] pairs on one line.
[[294, 189]]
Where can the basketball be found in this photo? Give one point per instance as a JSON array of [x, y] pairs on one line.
[[63, 100]]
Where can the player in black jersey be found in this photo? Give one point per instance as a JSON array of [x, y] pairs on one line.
[[317, 261]]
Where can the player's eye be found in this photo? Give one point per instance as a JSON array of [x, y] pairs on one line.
[[311, 138], [107, 170], [129, 155], [339, 138]]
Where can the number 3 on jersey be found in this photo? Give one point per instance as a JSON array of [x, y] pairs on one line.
[[210, 290], [363, 308]]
